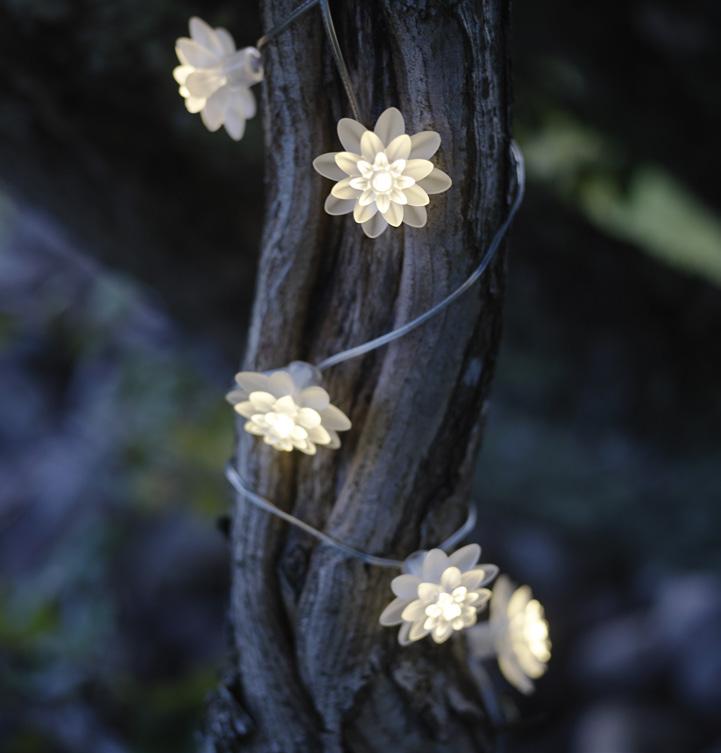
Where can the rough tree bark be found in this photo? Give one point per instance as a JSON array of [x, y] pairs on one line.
[[312, 669]]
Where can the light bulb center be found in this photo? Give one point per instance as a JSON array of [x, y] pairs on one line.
[[382, 181], [283, 425]]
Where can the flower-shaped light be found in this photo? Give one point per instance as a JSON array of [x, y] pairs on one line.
[[517, 634], [215, 78], [288, 408], [438, 595], [385, 176]]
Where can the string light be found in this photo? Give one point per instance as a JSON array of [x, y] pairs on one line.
[[215, 78], [384, 176], [516, 634], [288, 408], [438, 595]]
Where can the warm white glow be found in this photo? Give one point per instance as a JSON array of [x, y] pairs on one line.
[[517, 634], [215, 78], [438, 595], [289, 409], [385, 176]]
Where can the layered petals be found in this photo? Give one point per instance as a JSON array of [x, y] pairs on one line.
[[384, 176]]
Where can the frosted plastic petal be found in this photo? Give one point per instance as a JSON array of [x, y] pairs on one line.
[[348, 163], [315, 397], [465, 557], [451, 578], [391, 615], [415, 216], [375, 226], [383, 202], [204, 35], [417, 632], [424, 144], [343, 190], [362, 213], [327, 167], [337, 206], [394, 214], [213, 113], [334, 440], [261, 401], [414, 611], [234, 124], [399, 148], [252, 380], [319, 435], [226, 40], [436, 182], [350, 132], [286, 405], [194, 54], [389, 125], [403, 634], [418, 169], [194, 105], [181, 72], [334, 418], [280, 384], [434, 564], [406, 586], [203, 83], [370, 146], [245, 409], [416, 196], [308, 418]]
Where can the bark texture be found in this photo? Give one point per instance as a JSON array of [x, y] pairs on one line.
[[312, 669]]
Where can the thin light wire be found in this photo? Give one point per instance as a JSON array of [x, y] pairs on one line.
[[330, 32], [237, 482], [339, 59], [283, 25], [488, 257]]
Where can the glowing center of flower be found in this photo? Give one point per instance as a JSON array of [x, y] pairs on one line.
[[382, 181], [448, 606], [281, 424]]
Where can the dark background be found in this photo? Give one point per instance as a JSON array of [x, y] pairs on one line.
[[128, 244]]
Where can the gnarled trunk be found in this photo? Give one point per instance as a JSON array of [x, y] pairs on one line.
[[313, 670]]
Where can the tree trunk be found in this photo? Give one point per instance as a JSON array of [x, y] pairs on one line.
[[312, 668]]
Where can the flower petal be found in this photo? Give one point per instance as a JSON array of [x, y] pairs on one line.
[[350, 132], [383, 202], [245, 409], [326, 165], [348, 163], [415, 611], [203, 83], [428, 591], [204, 35], [280, 384], [315, 397], [391, 615], [363, 212], [370, 146], [398, 197], [399, 148], [465, 557], [334, 440], [403, 638], [451, 578], [319, 435], [226, 40], [406, 586], [425, 144], [334, 418], [441, 633], [308, 418], [415, 216], [434, 564], [417, 632], [251, 381], [436, 182], [181, 72], [261, 401], [337, 206], [418, 168], [243, 100], [191, 53], [251, 428], [285, 405], [375, 225], [343, 190], [511, 670], [416, 196], [234, 123], [194, 104], [389, 125], [213, 114], [394, 214]]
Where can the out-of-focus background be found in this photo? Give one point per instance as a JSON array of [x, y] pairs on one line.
[[128, 244]]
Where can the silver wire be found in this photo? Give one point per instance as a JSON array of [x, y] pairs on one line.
[[237, 482]]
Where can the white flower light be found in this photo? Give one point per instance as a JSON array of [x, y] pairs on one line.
[[384, 176], [215, 78], [288, 408], [517, 634], [438, 595]]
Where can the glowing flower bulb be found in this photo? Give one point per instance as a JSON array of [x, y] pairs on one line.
[[517, 634], [288, 408], [215, 78], [438, 595], [385, 176]]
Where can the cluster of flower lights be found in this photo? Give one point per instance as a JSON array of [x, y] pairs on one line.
[[384, 177]]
